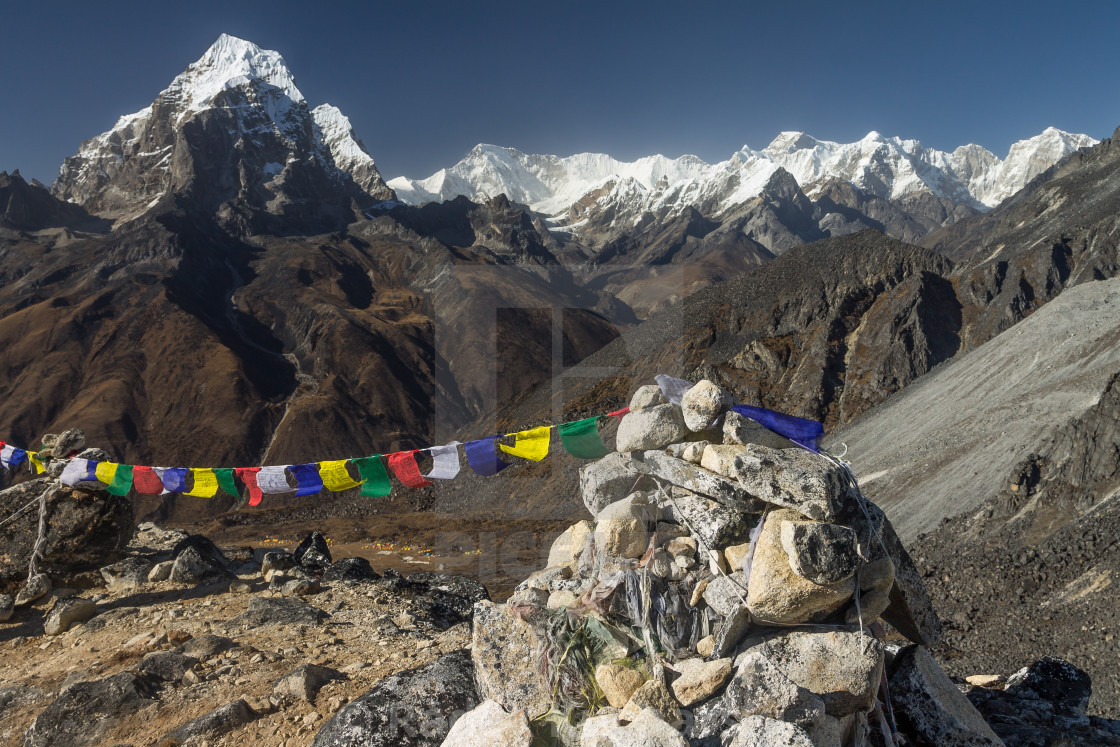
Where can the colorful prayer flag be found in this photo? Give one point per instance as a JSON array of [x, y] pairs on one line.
[[248, 475], [205, 483], [375, 480], [274, 480], [144, 480], [174, 479], [798, 430], [445, 461], [19, 456], [75, 471], [404, 466], [117, 477], [581, 439], [307, 478], [483, 457], [335, 476], [6, 455], [36, 464], [225, 481], [531, 444]]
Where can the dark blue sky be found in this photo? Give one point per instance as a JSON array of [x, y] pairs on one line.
[[423, 82]]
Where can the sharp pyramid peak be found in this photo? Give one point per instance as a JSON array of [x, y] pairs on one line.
[[230, 61]]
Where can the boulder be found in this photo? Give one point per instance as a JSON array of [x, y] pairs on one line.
[[504, 649], [699, 480], [305, 682], [691, 451], [445, 598], [647, 396], [85, 529], [703, 404], [313, 551], [350, 569], [567, 548], [646, 729], [729, 633], [276, 562], [166, 666], [928, 705], [725, 594], [283, 611], [618, 683], [607, 480], [190, 567], [68, 443], [821, 553], [1056, 681], [151, 538], [778, 595], [598, 724], [84, 713], [37, 587], [417, 707], [651, 428], [760, 731], [759, 687], [68, 612], [206, 549], [714, 523], [910, 612], [298, 587], [699, 679], [842, 668], [878, 575], [126, 574], [7, 607], [736, 555], [741, 430], [794, 478], [653, 694], [161, 571], [217, 722], [622, 529], [489, 725], [206, 646]]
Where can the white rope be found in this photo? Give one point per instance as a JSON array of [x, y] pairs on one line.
[[41, 540], [18, 513]]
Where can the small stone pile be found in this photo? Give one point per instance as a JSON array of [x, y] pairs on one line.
[[731, 589]]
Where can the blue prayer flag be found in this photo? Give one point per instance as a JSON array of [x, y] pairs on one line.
[[307, 478], [483, 457], [798, 430]]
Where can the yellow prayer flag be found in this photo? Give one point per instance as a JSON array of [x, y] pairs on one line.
[[335, 477], [105, 472], [531, 444], [205, 483], [36, 464]]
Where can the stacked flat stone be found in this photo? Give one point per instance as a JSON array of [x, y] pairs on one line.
[[775, 569]]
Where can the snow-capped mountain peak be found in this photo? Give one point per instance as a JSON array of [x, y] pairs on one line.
[[228, 63], [334, 131]]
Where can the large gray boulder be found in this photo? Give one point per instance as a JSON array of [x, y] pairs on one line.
[[305, 682], [84, 713], [607, 480], [68, 612], [217, 722], [622, 528], [714, 524], [842, 668], [822, 553], [417, 707], [85, 529], [741, 430], [505, 650], [703, 404], [794, 478], [911, 611], [651, 428], [699, 480], [489, 725], [759, 687], [760, 731], [647, 729], [928, 705], [279, 611]]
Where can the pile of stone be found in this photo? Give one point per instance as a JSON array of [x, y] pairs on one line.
[[733, 588]]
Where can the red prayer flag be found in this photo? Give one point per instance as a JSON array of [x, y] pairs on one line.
[[248, 475], [146, 481], [619, 413], [404, 466]]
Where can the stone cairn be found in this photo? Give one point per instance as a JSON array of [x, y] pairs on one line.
[[731, 590]]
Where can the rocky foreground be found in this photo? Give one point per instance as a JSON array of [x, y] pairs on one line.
[[732, 589]]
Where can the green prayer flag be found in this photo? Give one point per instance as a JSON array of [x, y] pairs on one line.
[[122, 480], [225, 481], [581, 439], [375, 480]]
